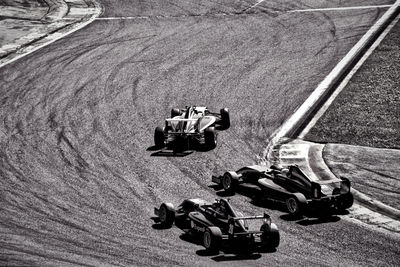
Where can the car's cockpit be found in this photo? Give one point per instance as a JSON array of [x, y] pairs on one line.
[[221, 209]]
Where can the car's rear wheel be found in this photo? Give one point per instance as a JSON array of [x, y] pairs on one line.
[[166, 214], [225, 119], [210, 137], [345, 202], [212, 239], [159, 137], [292, 206], [270, 237], [295, 204]]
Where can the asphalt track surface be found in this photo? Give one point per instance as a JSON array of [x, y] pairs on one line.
[[79, 175]]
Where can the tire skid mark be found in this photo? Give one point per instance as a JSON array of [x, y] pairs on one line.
[[102, 216]]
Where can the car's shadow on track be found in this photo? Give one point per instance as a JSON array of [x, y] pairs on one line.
[[311, 218], [227, 253], [170, 152], [320, 220], [231, 257], [157, 224]]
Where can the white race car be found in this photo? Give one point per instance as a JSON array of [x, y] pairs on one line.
[[191, 126]]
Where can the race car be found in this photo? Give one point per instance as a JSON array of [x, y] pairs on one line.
[[192, 125], [289, 186], [218, 223]]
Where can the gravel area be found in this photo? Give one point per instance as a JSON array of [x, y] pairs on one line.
[[366, 112]]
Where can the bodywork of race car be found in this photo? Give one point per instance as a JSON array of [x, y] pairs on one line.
[[191, 125], [218, 222], [290, 186]]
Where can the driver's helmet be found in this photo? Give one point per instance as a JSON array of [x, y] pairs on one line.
[[276, 167], [285, 172], [220, 208]]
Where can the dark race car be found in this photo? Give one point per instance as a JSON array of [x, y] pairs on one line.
[[289, 186], [218, 224], [191, 126]]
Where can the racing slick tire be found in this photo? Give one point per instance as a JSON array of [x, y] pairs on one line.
[[225, 119], [230, 181], [212, 237], [175, 112], [345, 201], [159, 137], [166, 214], [270, 237], [210, 137], [296, 204]]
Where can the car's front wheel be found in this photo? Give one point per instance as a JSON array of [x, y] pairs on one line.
[[225, 119], [175, 112], [159, 137], [270, 236], [210, 137], [166, 214], [295, 204]]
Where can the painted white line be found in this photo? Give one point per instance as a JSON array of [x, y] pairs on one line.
[[56, 36], [247, 9], [122, 18], [162, 16], [338, 8], [343, 84], [253, 6]]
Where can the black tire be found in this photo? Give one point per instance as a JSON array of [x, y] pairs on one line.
[[212, 238], [295, 204], [270, 237], [175, 112], [336, 191], [230, 181], [159, 137], [166, 214], [345, 202], [210, 137], [225, 119]]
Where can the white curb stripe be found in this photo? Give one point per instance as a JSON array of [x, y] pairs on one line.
[[338, 8]]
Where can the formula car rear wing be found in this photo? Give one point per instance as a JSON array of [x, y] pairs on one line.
[[316, 187], [181, 119], [265, 216], [232, 220]]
